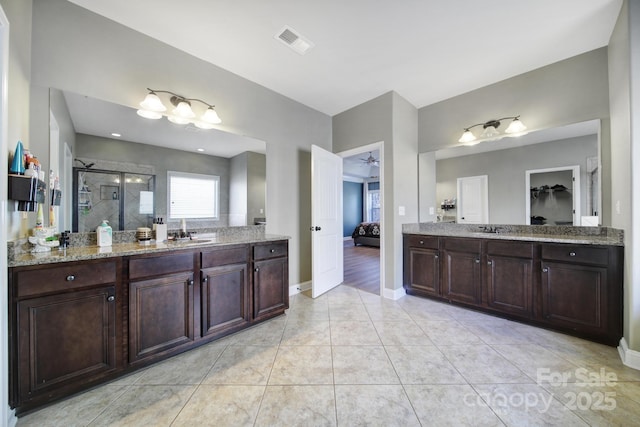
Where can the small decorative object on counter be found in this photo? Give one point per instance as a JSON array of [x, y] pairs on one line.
[[17, 164], [104, 234]]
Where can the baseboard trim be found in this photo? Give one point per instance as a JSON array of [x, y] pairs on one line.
[[394, 294], [301, 287], [629, 357]]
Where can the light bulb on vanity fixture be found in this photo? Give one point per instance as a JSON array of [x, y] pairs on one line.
[[490, 130], [153, 108]]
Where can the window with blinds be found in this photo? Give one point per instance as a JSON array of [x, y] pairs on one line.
[[193, 195]]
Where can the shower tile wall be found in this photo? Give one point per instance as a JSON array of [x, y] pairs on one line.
[[97, 208]]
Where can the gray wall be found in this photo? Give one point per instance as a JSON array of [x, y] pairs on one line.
[[569, 91], [163, 160], [506, 172], [76, 50], [18, 13], [624, 97], [390, 119]]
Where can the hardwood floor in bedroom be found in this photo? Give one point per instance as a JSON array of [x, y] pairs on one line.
[[362, 267]]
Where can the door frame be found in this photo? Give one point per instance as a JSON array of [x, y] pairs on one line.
[[575, 170], [6, 414], [365, 149]]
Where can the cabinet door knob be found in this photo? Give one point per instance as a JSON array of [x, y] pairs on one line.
[[572, 254], [111, 298], [477, 261], [436, 256], [489, 262], [205, 279], [257, 269], [71, 278], [544, 270], [190, 282]]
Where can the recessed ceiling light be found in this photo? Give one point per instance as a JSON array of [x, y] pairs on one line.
[[200, 149], [117, 135]]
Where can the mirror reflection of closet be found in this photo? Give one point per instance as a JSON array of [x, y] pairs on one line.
[[124, 199], [554, 197]]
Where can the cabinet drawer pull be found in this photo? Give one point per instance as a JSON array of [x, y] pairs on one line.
[[71, 278], [544, 270], [111, 298], [422, 242], [272, 250], [572, 254]]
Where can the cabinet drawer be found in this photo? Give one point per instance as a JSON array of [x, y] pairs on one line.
[[160, 265], [228, 256], [576, 254], [461, 245], [67, 276], [510, 249], [417, 241], [270, 250]]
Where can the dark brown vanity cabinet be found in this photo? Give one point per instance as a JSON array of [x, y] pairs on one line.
[[422, 265], [578, 290], [461, 270], [161, 303], [509, 277], [76, 324], [65, 330], [571, 288], [225, 290], [270, 279]]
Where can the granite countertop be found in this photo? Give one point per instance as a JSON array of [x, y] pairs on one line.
[[534, 233], [81, 253]]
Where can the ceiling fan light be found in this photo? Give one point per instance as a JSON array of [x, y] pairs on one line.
[[467, 137], [178, 120], [153, 103], [153, 115], [210, 116], [183, 109], [516, 126]]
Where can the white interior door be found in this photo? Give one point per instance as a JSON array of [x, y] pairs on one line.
[[473, 200], [326, 221]]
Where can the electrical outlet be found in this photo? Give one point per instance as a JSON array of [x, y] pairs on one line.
[[401, 210], [432, 210]]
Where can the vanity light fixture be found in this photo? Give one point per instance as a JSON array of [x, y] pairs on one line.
[[182, 114], [515, 128]]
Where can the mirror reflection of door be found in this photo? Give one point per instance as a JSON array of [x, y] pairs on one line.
[[554, 197], [473, 200]]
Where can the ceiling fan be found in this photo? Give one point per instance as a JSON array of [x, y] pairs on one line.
[[371, 161]]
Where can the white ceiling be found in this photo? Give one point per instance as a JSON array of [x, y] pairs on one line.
[[425, 50]]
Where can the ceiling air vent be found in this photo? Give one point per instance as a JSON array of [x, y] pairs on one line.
[[294, 40]]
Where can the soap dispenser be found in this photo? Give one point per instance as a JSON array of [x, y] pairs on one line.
[[103, 233]]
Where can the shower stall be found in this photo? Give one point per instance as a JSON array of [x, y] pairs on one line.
[[124, 199]]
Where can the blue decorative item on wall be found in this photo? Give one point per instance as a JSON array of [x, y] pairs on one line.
[[17, 164]]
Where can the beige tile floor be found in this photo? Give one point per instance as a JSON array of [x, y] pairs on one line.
[[351, 358]]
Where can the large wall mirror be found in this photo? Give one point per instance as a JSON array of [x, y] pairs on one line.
[[113, 164], [505, 162]]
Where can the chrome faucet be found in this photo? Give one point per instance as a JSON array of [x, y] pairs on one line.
[[490, 229]]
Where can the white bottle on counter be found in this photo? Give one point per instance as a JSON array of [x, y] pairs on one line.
[[103, 234]]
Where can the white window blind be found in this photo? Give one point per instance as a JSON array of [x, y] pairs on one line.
[[193, 195]]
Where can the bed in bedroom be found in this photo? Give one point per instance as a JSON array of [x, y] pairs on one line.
[[367, 233]]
